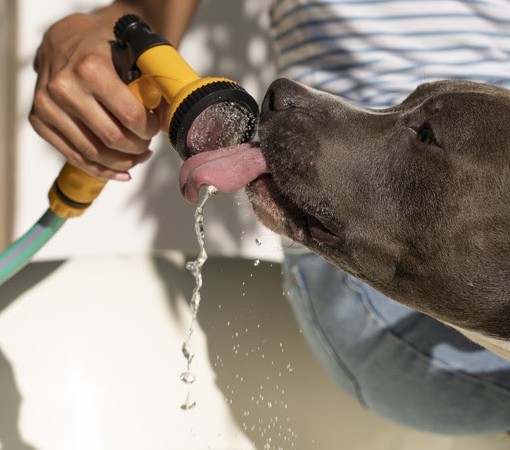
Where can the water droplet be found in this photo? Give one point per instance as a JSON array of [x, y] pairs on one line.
[[258, 242], [256, 262], [188, 377], [186, 351], [188, 404]]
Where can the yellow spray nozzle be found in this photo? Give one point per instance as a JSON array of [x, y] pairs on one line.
[[161, 68], [153, 69]]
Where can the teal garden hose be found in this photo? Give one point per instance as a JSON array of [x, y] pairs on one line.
[[15, 257]]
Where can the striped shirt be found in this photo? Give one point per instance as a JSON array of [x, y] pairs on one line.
[[375, 52]]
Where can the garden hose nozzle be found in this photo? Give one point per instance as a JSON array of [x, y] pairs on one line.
[[204, 113]]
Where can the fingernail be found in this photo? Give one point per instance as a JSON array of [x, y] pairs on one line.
[[122, 176]]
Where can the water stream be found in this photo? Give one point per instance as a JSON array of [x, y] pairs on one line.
[[195, 267]]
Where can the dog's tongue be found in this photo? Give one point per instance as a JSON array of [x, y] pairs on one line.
[[227, 169]]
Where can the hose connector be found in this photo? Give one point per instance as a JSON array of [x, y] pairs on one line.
[[73, 192]]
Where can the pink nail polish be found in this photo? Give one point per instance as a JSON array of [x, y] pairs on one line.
[[122, 176]]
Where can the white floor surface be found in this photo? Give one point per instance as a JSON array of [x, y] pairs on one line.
[[90, 358]]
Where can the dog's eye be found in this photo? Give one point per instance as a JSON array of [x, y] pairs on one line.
[[426, 135]]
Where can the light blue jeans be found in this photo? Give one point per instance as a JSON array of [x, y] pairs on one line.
[[395, 361]]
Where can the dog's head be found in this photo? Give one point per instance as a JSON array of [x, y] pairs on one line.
[[414, 199]]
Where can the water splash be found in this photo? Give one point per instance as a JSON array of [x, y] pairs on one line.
[[195, 267], [220, 125]]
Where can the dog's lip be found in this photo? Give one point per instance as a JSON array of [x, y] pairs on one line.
[[301, 225], [323, 231], [278, 206]]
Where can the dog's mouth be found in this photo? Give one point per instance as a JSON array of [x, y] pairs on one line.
[[232, 168], [283, 215]]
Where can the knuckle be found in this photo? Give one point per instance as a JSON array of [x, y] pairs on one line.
[[133, 114], [75, 159], [39, 104], [35, 123], [89, 67], [113, 138], [89, 153], [59, 85], [33, 119]]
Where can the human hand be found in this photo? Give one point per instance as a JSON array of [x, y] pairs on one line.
[[81, 106]]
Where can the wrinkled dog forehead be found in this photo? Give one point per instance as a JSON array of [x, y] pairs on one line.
[[461, 97], [436, 88]]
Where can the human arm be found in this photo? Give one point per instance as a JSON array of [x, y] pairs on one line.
[[80, 105]]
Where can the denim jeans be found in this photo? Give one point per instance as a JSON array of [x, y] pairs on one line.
[[395, 361]]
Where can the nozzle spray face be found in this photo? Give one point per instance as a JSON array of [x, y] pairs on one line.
[[219, 113], [220, 125]]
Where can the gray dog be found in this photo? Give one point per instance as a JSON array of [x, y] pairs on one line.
[[414, 199]]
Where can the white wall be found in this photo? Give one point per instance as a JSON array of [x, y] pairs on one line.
[[227, 39]]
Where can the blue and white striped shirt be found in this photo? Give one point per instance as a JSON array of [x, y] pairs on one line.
[[375, 52]]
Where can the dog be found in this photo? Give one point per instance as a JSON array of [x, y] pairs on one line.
[[414, 199]]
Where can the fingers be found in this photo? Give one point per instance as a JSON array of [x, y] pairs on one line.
[[111, 164], [126, 109], [105, 126]]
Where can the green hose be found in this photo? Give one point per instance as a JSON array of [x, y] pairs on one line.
[[15, 257]]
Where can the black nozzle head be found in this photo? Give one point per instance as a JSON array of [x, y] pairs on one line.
[[228, 102], [127, 22], [132, 32]]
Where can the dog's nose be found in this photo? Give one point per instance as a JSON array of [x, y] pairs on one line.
[[280, 95]]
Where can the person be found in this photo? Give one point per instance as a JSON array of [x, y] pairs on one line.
[[395, 361]]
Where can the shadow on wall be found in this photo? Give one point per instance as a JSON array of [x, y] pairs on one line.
[[10, 398], [227, 39]]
